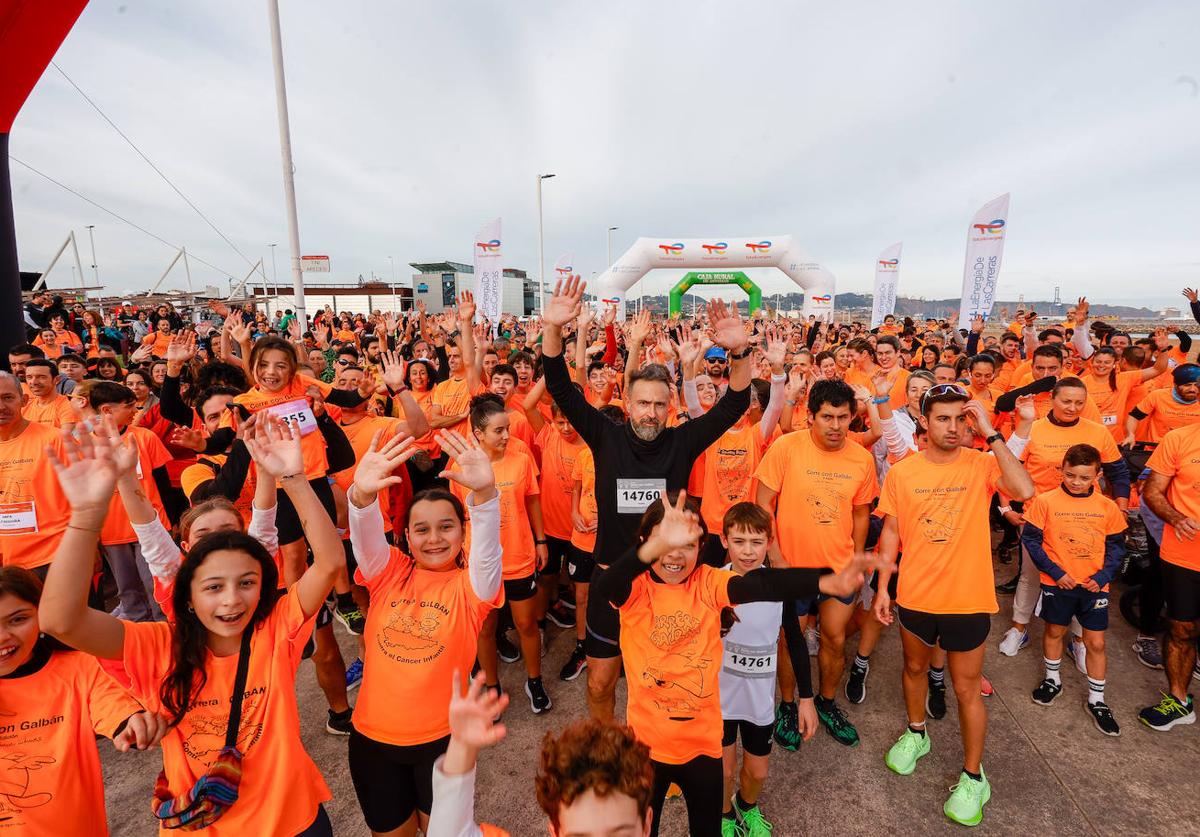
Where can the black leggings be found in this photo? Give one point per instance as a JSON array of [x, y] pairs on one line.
[[702, 781], [321, 826], [1150, 597]]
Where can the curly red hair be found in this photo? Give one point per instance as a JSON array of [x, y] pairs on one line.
[[594, 755]]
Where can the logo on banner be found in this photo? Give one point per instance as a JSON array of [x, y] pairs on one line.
[[492, 247], [992, 229], [758, 247], [613, 300], [889, 264], [671, 249], [564, 272], [717, 249], [823, 298]]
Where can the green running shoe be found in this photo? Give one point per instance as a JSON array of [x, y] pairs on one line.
[[836, 722], [910, 747], [1168, 713], [967, 798], [753, 824], [787, 726], [731, 828]]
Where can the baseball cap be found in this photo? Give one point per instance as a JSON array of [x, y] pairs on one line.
[[716, 352]]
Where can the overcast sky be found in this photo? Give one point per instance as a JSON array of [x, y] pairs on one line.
[[848, 125]]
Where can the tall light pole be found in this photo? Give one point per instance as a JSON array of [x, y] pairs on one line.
[[608, 264], [541, 244], [395, 309], [274, 267], [285, 153], [92, 238]]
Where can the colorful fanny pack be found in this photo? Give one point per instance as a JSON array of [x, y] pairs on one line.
[[212, 795]]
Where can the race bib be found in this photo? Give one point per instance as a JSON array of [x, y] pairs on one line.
[[1108, 420], [635, 496], [749, 660], [297, 413], [18, 518]]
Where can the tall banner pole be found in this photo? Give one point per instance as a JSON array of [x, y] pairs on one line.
[[285, 153], [489, 272], [887, 277], [981, 272]]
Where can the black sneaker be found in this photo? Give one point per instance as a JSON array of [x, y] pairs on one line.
[[1009, 587], [352, 620], [561, 615], [539, 701], [856, 684], [1103, 718], [836, 723], [575, 665], [508, 652], [1046, 692], [935, 700], [566, 595], [339, 722]]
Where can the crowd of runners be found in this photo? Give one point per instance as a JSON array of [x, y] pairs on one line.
[[727, 511]]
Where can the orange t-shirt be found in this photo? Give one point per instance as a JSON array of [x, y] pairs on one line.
[[291, 403], [269, 733], [152, 453], [671, 642], [1113, 404], [360, 434], [897, 395], [584, 473], [57, 413], [1164, 414], [1005, 372], [33, 509], [51, 784], [63, 341], [558, 463], [454, 398], [159, 341], [943, 515], [423, 625], [728, 472], [1048, 442], [201, 471], [818, 491], [520, 428], [1178, 457], [516, 479], [1074, 530], [425, 401]]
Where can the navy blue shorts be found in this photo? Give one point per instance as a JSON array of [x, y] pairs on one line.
[[1059, 605], [806, 607]]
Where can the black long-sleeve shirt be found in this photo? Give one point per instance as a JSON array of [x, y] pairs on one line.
[[623, 460]]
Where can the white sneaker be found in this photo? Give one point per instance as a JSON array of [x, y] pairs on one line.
[[812, 638], [1079, 652], [1013, 641]]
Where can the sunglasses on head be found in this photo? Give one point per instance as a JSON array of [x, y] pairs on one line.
[[942, 389]]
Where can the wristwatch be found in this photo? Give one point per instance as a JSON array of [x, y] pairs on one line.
[[995, 437], [744, 353]]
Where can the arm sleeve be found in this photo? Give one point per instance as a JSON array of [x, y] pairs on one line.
[[610, 345], [797, 650], [262, 527], [898, 442], [1016, 445], [811, 339], [1007, 402], [1114, 556], [1081, 342], [1032, 539], [616, 583], [371, 549], [220, 440], [705, 430], [691, 398], [585, 418], [1195, 306], [972, 343], [453, 810], [171, 406], [774, 410], [442, 373], [162, 480], [344, 398], [769, 584], [1185, 341], [338, 451], [229, 480], [485, 566], [1117, 474], [159, 549]]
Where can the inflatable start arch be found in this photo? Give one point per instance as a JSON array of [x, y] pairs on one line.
[[718, 254]]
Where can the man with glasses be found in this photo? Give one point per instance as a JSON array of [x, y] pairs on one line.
[[716, 364]]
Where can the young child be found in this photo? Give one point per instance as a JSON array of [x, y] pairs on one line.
[[1074, 534], [747, 680]]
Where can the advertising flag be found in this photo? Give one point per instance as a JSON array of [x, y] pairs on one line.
[[985, 247], [887, 277], [489, 272]]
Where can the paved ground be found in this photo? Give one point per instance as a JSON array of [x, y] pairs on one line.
[[1051, 772]]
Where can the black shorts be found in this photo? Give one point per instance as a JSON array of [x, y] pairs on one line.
[[288, 521], [391, 781], [520, 589], [558, 549], [1181, 589], [324, 616], [580, 565], [603, 640], [954, 631], [1059, 606], [756, 740]]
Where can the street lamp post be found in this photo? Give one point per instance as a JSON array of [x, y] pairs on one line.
[[541, 244], [92, 238], [395, 308], [274, 267]]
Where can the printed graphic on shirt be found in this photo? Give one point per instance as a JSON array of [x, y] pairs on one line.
[[23, 781], [940, 525], [733, 472], [207, 735], [823, 504], [1079, 540], [679, 675], [407, 639]]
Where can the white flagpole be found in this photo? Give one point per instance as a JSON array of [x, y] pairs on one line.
[[285, 152]]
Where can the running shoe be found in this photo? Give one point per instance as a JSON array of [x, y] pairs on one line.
[[575, 665], [1196, 670], [731, 828], [985, 687], [1009, 587], [508, 652], [935, 699], [1014, 640], [339, 722], [1079, 652], [1103, 718], [907, 750], [354, 674], [753, 824], [539, 701], [967, 798], [561, 615], [1046, 692], [566, 595], [1168, 713], [812, 638], [856, 683], [836, 722], [787, 726], [352, 620], [1148, 651]]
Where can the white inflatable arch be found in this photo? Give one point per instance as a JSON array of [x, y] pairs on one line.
[[720, 254]]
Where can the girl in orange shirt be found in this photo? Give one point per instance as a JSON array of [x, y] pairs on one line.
[[55, 703], [427, 610], [419, 378], [229, 620]]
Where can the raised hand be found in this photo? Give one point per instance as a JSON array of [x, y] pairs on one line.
[[583, 322], [776, 350], [680, 527], [142, 353], [367, 384], [294, 330], [640, 329], [182, 348], [239, 331], [466, 307], [275, 447], [977, 324], [1081, 310], [187, 437], [474, 470], [392, 366], [563, 306], [89, 474], [610, 315], [473, 713], [375, 469], [1026, 408], [689, 351], [979, 414], [727, 328], [1191, 294]]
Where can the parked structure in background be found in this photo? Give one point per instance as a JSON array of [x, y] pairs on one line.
[[437, 284]]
